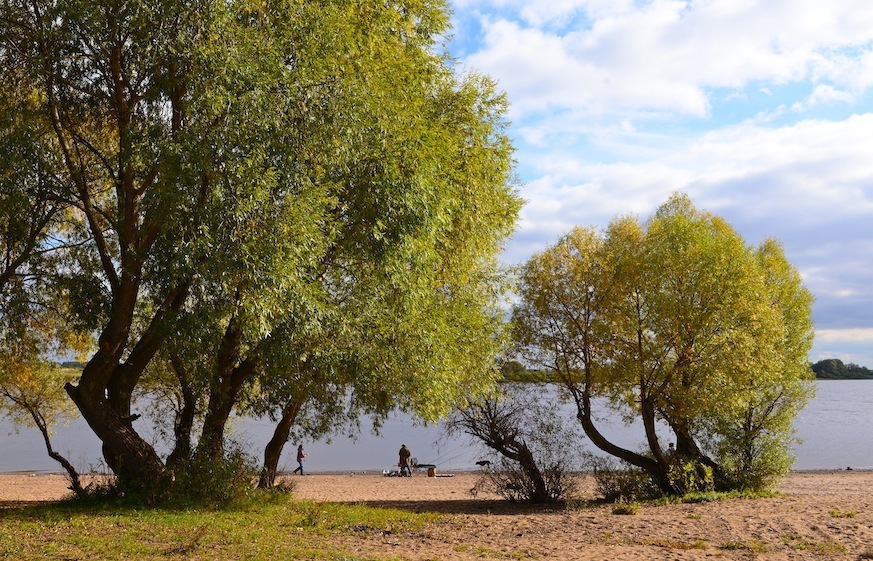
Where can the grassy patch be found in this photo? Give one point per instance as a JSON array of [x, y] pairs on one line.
[[826, 548], [675, 544], [752, 545], [624, 507], [837, 513], [710, 496], [274, 528]]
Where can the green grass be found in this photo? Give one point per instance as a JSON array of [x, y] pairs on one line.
[[711, 496], [274, 528], [674, 544], [752, 545], [825, 548], [624, 507], [837, 513]]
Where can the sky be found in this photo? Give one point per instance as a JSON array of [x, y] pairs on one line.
[[761, 111]]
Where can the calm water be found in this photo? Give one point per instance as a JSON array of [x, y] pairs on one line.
[[836, 429]]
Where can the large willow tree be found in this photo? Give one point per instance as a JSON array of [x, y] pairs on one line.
[[677, 322], [252, 176]]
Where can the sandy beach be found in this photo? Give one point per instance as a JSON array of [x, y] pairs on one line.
[[818, 515]]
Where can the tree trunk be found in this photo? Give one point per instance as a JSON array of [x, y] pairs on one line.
[[224, 391], [529, 466], [647, 411], [75, 481], [650, 466], [134, 461], [103, 395], [499, 431], [274, 447], [221, 403], [687, 446], [183, 424], [126, 376]]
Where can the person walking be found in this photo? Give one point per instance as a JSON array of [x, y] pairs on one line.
[[301, 455], [405, 464]]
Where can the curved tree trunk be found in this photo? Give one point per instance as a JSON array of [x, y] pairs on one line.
[[498, 430], [687, 447], [274, 447], [43, 426], [647, 411], [224, 391], [134, 461], [650, 466], [103, 395], [525, 459], [183, 425], [72, 474]]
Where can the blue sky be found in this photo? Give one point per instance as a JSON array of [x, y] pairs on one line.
[[761, 111]]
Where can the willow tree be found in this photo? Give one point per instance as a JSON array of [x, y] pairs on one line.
[[253, 168], [388, 253], [675, 321], [29, 207]]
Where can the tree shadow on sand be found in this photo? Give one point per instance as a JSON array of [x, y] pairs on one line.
[[463, 506]]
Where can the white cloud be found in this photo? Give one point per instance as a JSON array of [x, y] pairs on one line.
[[864, 335], [808, 185], [617, 104], [848, 345], [823, 94], [668, 55]]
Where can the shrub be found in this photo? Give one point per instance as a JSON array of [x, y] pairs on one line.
[[620, 481], [625, 507], [534, 449], [690, 476], [509, 480], [205, 482]]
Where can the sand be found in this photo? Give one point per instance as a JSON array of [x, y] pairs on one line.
[[818, 515]]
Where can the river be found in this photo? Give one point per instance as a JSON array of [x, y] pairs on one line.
[[836, 430]]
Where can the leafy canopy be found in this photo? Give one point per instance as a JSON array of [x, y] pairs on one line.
[[675, 320]]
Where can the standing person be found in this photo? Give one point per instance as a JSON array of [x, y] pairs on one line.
[[301, 455], [405, 467]]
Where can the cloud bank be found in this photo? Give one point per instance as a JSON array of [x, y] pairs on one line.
[[761, 112]]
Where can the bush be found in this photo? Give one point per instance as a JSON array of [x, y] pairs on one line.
[[619, 481], [625, 507], [765, 462], [284, 485], [206, 482], [513, 483], [193, 482], [533, 448], [690, 476]]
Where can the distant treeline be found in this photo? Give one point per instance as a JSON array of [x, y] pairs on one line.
[[834, 369], [828, 369], [72, 364]]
